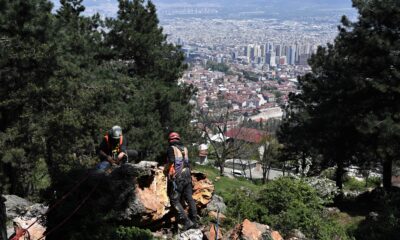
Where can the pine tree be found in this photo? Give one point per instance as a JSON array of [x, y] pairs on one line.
[[351, 99], [26, 65], [137, 43]]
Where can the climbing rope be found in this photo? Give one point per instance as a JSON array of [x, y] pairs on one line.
[[75, 210], [216, 227], [24, 231]]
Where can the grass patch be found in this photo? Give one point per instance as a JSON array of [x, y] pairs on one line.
[[348, 222], [352, 184], [225, 186]]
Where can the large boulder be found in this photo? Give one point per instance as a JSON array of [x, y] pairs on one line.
[[36, 231], [203, 189], [210, 233], [252, 231], [296, 234], [23, 214], [149, 202], [16, 206], [191, 234], [132, 194], [217, 204]]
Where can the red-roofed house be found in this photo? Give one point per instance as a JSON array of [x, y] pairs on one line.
[[250, 135]]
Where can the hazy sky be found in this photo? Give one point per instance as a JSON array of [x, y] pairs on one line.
[[109, 7]]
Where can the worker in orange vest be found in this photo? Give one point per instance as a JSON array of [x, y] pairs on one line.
[[180, 181], [112, 149]]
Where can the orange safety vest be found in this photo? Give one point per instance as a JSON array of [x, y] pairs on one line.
[[178, 155], [121, 139]]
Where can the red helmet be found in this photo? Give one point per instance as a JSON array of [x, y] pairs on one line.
[[173, 136]]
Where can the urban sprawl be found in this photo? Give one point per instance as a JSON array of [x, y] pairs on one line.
[[251, 64]]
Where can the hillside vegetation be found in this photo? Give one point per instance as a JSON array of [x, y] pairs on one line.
[[66, 78]]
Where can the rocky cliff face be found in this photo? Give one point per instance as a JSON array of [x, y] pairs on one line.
[[148, 202], [24, 213], [133, 195]]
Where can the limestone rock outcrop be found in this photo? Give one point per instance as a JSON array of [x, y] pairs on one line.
[[23, 213], [149, 200], [136, 194], [217, 204], [252, 231], [210, 233], [203, 189], [36, 231], [132, 194], [191, 234]]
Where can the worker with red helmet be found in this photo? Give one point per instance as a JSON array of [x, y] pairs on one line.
[[180, 181]]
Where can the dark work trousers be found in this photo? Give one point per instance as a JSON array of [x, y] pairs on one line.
[[182, 190]]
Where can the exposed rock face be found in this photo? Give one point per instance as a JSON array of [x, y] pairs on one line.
[[134, 194], [202, 190], [210, 233], [253, 231], [192, 234], [150, 202], [296, 234], [275, 235], [214, 215], [36, 231], [16, 206], [151, 196], [23, 213], [216, 203], [249, 231]]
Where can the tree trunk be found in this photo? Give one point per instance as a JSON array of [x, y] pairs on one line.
[[339, 174], [303, 164], [366, 179], [221, 169], [264, 173], [269, 169], [387, 174], [251, 176], [3, 218]]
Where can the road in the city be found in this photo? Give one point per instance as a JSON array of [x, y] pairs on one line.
[[273, 173]]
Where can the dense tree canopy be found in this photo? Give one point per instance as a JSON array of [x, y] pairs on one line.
[[66, 78], [349, 106]]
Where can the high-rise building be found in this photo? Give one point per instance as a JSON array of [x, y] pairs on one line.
[[272, 60], [278, 50], [250, 53], [291, 55]]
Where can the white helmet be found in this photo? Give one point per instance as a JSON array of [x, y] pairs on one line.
[[116, 132]]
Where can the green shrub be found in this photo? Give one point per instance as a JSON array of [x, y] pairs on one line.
[[129, 233], [281, 193], [329, 173], [243, 204], [353, 184], [374, 182], [293, 204]]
